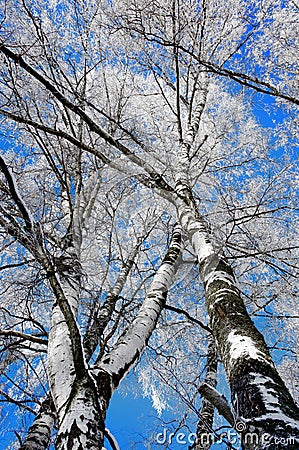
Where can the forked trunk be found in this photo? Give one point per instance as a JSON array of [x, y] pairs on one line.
[[81, 394]]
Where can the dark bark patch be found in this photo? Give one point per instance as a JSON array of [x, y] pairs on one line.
[[103, 380], [250, 394]]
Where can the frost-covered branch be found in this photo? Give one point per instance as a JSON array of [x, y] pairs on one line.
[[19, 403], [64, 135], [103, 313], [28, 219], [93, 126], [243, 79]]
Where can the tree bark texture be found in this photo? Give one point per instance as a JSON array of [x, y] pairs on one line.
[[206, 412], [81, 396], [39, 434], [262, 403]]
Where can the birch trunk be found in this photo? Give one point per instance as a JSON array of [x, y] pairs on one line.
[[39, 434], [61, 368], [130, 346], [102, 315], [266, 414], [80, 405], [82, 398], [205, 423], [82, 426]]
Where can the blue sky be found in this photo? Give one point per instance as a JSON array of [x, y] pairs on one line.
[[136, 425], [128, 418]]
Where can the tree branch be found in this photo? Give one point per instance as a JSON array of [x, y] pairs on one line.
[[16, 195], [131, 344], [26, 337], [93, 126], [111, 439], [218, 400], [192, 319]]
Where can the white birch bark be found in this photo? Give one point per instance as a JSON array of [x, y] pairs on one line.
[[209, 393], [61, 368], [244, 353], [82, 426], [74, 392], [103, 313], [80, 406], [130, 346], [197, 105], [206, 412], [39, 434]]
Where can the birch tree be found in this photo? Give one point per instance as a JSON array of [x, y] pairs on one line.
[[74, 384], [163, 95]]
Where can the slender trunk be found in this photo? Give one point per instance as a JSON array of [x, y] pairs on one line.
[[61, 367], [206, 412], [260, 398], [267, 414], [131, 344], [102, 314], [39, 434]]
